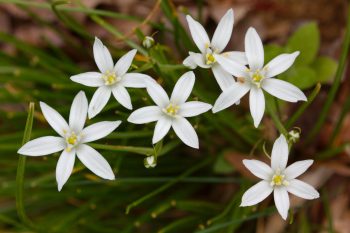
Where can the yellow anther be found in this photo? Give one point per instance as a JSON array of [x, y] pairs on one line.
[[172, 109], [210, 58], [277, 179], [72, 139], [257, 77], [109, 78]]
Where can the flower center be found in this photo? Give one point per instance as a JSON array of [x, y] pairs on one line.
[[210, 59], [171, 109], [278, 179], [110, 78], [72, 139]]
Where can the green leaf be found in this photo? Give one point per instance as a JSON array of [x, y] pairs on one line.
[[271, 51], [306, 40], [301, 76], [325, 68], [221, 166]]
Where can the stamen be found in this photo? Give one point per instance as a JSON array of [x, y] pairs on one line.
[[278, 179], [257, 77], [72, 140], [210, 58], [110, 78], [171, 109]]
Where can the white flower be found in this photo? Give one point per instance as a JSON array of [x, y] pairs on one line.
[[111, 79], [172, 112], [278, 179], [256, 78], [210, 50], [72, 139]]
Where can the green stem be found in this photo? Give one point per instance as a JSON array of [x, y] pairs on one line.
[[335, 86], [303, 107], [272, 111], [133, 149], [168, 185], [337, 128], [21, 170]]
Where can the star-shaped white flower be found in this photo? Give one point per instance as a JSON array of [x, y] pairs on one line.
[[257, 78], [211, 49], [172, 112], [278, 179], [111, 79], [72, 139]]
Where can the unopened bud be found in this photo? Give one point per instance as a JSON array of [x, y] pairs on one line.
[[150, 162], [294, 135], [148, 42]]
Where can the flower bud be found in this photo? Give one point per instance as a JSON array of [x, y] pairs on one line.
[[148, 42], [150, 162], [294, 135]]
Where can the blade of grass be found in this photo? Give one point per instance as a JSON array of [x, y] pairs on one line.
[[43, 5], [168, 185], [21, 170], [335, 86], [303, 107], [337, 128]]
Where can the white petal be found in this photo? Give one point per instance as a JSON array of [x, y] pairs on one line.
[[280, 64], [254, 49], [145, 115], [193, 108], [162, 128], [199, 35], [281, 198], [158, 95], [90, 79], [102, 56], [99, 100], [42, 146], [283, 90], [98, 130], [122, 96], [257, 105], [78, 112], [123, 64], [223, 31], [224, 79], [257, 193], [185, 132], [279, 154], [296, 169], [230, 96], [236, 56], [231, 66], [64, 167], [302, 189], [136, 80], [183, 88], [189, 62], [198, 59], [54, 119], [258, 168], [95, 162]]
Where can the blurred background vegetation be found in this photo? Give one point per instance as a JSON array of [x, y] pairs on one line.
[[43, 43]]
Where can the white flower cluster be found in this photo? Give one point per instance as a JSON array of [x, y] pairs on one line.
[[237, 73]]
